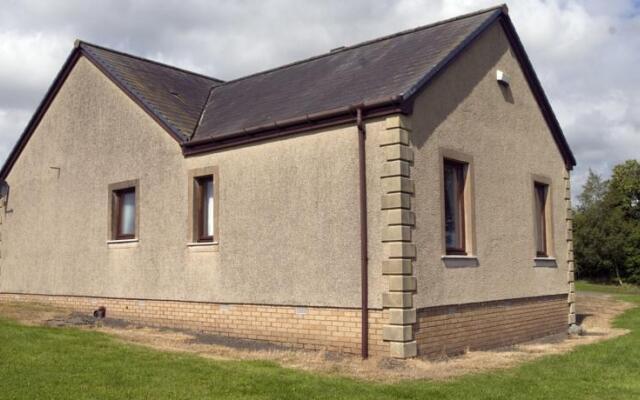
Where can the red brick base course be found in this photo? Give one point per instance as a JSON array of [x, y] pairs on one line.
[[451, 330], [333, 329]]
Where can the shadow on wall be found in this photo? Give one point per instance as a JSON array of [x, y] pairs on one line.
[[455, 83]]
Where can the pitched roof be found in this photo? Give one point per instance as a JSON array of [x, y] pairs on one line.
[[381, 69], [173, 95], [379, 76]]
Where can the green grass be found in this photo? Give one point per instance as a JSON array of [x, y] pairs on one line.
[[54, 363], [585, 286]]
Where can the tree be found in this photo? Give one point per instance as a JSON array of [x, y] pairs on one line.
[[593, 191], [607, 225], [625, 189], [592, 257], [623, 199]]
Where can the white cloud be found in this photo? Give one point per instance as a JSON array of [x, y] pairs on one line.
[[12, 123], [585, 52], [29, 64]]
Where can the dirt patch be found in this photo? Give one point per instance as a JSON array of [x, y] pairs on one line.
[[595, 313], [78, 319], [235, 343]]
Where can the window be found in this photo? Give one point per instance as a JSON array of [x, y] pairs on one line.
[[204, 208], [124, 213], [454, 215], [541, 191]]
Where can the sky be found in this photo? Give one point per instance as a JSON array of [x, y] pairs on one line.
[[586, 53]]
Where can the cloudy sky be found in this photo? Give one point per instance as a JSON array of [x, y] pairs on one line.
[[586, 53]]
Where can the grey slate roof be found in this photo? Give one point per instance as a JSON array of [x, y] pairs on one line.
[[204, 113], [375, 70], [174, 95]]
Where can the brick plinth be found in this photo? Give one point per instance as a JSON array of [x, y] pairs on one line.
[[450, 330], [333, 329]]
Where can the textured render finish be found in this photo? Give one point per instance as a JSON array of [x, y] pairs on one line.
[[288, 218], [466, 111]]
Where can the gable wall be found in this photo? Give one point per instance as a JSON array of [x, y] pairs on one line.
[[288, 220], [503, 131]]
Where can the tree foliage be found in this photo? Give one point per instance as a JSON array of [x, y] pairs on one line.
[[607, 225]]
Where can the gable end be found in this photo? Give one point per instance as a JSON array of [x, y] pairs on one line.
[[53, 90], [535, 86]]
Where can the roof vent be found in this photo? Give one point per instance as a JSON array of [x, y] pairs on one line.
[[503, 78], [337, 49]]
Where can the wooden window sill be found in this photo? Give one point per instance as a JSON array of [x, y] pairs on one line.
[[459, 261]]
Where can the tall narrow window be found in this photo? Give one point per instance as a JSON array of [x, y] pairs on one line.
[[124, 213], [204, 208], [540, 191], [454, 183]]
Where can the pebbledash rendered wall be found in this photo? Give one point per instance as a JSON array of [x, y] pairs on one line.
[[291, 273], [286, 265], [502, 294], [288, 211]]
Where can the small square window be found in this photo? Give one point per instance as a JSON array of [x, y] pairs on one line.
[[124, 213], [204, 208]]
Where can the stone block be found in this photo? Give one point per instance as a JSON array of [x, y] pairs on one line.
[[396, 233], [400, 217], [397, 267], [403, 349], [397, 300], [398, 121], [398, 333], [571, 277], [397, 184], [398, 152], [399, 250], [406, 316], [401, 283], [396, 200], [395, 168], [394, 136]]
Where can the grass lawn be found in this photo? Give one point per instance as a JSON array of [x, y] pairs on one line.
[[65, 363], [592, 287]]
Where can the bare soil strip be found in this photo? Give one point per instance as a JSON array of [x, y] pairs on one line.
[[595, 314]]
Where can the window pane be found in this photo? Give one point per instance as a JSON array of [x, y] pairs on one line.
[[207, 207], [541, 199], [127, 213], [453, 215]]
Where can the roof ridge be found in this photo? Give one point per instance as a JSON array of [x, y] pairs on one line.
[[502, 6], [202, 111], [79, 42]]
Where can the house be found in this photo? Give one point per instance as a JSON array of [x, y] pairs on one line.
[[407, 195]]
